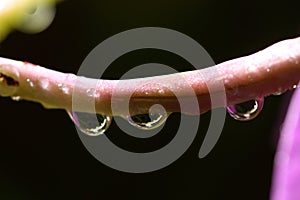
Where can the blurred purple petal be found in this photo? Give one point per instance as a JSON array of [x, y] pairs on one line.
[[286, 183]]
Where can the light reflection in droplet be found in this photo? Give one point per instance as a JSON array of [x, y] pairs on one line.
[[246, 111], [87, 124]]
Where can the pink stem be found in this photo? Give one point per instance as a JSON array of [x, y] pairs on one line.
[[274, 69]]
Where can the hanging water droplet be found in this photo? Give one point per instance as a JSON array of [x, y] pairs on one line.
[[16, 98], [277, 93], [90, 123], [280, 91], [29, 82], [154, 119], [294, 86], [146, 122], [247, 110]]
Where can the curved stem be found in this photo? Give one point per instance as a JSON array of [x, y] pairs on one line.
[[274, 69]]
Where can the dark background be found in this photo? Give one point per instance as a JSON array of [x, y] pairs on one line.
[[42, 156]]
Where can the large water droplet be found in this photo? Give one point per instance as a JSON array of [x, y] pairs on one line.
[[154, 119], [247, 110], [90, 123]]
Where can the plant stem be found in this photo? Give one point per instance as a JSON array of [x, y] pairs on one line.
[[274, 69]]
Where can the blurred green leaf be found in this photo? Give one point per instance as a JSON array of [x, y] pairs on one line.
[[14, 12]]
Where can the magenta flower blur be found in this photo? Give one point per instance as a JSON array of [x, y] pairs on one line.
[[286, 183]]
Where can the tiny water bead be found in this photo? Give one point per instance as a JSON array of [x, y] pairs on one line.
[[246, 111], [92, 92], [277, 93], [280, 91], [29, 82], [71, 77], [65, 89], [91, 124], [44, 83], [16, 98]]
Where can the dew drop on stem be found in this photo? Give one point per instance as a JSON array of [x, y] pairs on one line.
[[16, 98], [64, 88], [91, 92], [280, 91], [154, 119], [247, 110], [91, 124], [29, 82], [44, 83]]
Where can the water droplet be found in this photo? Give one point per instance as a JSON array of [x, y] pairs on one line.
[[247, 110], [293, 58], [29, 82], [44, 83], [16, 98], [295, 86], [71, 77], [92, 92], [280, 91], [252, 68], [154, 119], [65, 89], [160, 90], [90, 123]]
